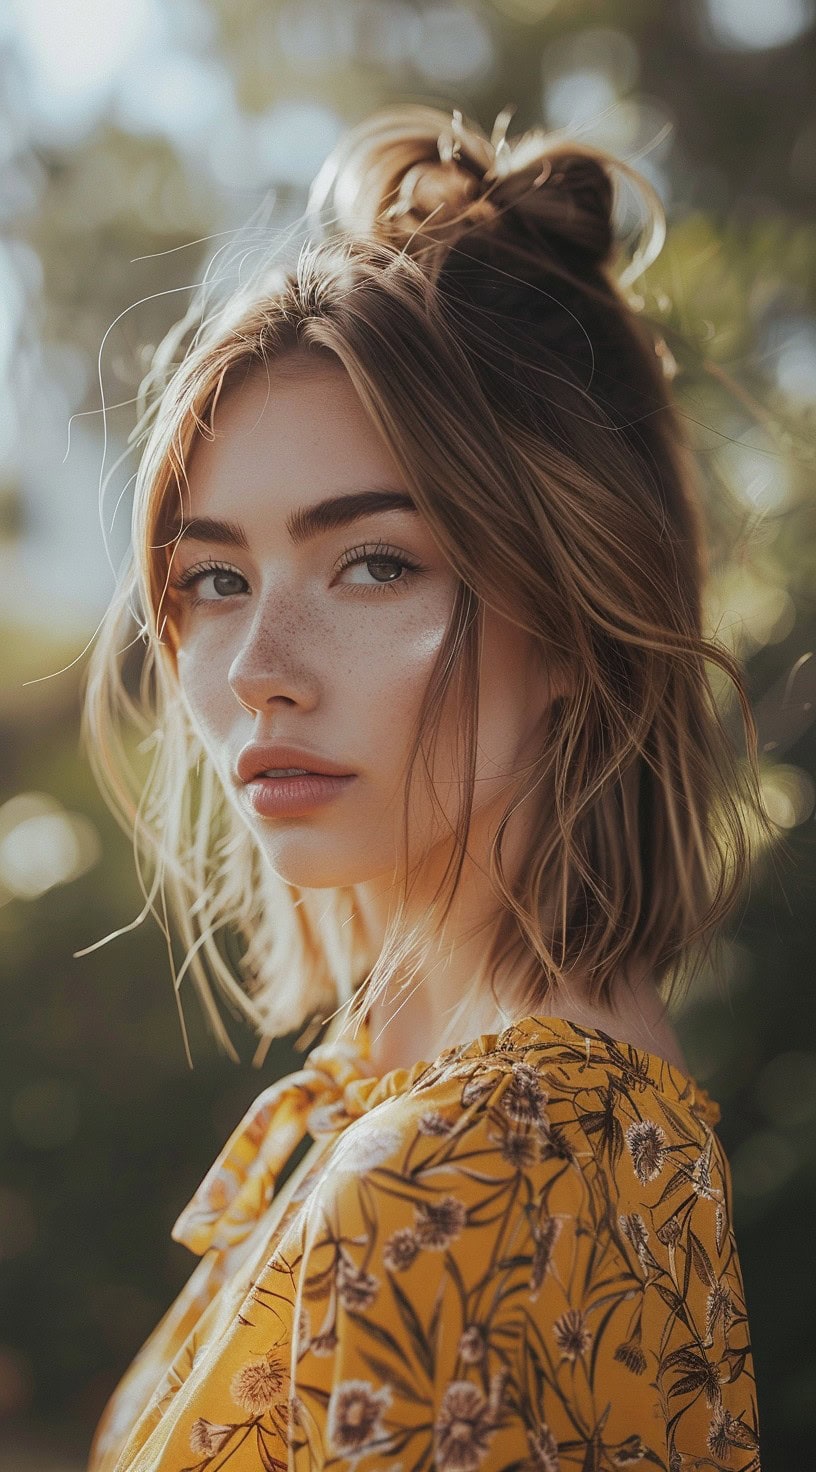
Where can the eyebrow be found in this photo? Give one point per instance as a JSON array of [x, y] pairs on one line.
[[307, 521]]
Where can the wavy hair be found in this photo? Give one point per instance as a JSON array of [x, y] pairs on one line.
[[470, 287]]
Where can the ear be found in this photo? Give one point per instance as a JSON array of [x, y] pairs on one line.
[[546, 692], [550, 685]]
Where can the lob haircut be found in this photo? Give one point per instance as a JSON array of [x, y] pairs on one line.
[[477, 314]]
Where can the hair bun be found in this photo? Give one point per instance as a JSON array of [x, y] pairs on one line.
[[572, 199], [436, 193], [412, 174]]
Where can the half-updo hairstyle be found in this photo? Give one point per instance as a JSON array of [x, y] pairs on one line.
[[471, 288]]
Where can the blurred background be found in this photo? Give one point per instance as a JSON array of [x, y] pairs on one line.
[[135, 137]]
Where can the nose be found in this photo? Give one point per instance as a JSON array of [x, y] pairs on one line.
[[259, 689], [263, 674]]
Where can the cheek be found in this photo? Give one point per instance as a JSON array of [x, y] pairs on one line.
[[391, 669], [376, 693], [205, 690], [364, 670]]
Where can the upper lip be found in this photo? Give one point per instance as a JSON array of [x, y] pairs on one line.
[[255, 758]]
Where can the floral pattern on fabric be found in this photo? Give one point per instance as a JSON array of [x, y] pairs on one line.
[[519, 1256]]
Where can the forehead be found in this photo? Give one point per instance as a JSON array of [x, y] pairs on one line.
[[286, 432]]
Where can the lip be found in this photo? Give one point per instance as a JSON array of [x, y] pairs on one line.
[[256, 758], [277, 797]]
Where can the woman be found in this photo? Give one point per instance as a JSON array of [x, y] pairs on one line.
[[417, 516]]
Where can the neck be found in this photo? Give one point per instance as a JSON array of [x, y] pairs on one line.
[[435, 1010], [410, 1030]]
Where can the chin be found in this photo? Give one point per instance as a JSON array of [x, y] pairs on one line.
[[307, 861]]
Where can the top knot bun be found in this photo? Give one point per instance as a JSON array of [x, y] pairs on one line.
[[416, 177]]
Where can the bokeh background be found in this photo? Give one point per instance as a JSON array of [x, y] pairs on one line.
[[136, 136]]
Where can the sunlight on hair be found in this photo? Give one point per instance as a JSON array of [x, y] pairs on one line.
[[416, 225]]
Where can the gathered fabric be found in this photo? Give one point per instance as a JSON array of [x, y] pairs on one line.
[[519, 1255], [318, 1099]]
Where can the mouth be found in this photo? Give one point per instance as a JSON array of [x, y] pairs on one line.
[[282, 773], [279, 795], [281, 760]]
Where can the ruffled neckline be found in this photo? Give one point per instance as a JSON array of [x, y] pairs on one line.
[[337, 1084], [529, 1036]]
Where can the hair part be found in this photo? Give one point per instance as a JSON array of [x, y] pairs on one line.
[[466, 287]]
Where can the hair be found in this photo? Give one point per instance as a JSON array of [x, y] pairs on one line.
[[470, 288]]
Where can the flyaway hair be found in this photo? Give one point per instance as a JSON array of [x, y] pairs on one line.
[[473, 288]]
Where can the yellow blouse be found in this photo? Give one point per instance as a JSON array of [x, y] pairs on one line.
[[519, 1256]]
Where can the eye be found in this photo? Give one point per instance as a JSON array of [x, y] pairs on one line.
[[377, 558], [380, 558], [195, 575]]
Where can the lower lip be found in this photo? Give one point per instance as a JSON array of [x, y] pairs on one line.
[[276, 796]]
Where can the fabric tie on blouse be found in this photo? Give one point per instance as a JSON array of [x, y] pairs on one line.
[[332, 1089]]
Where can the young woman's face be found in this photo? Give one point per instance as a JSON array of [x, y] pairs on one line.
[[305, 642]]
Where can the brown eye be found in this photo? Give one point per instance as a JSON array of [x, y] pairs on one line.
[[377, 560], [220, 573]]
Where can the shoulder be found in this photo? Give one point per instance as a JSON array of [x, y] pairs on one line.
[[475, 1241], [425, 1171], [497, 1154]]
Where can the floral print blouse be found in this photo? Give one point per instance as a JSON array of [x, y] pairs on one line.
[[519, 1256]]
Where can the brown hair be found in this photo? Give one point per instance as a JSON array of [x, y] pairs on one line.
[[469, 287]]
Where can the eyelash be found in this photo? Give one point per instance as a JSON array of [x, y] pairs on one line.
[[351, 557]]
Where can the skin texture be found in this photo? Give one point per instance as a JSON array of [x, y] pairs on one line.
[[296, 649]]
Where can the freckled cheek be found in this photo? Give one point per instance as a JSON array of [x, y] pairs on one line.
[[403, 675], [405, 654], [365, 666], [400, 661]]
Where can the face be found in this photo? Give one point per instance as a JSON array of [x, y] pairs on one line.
[[328, 642]]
